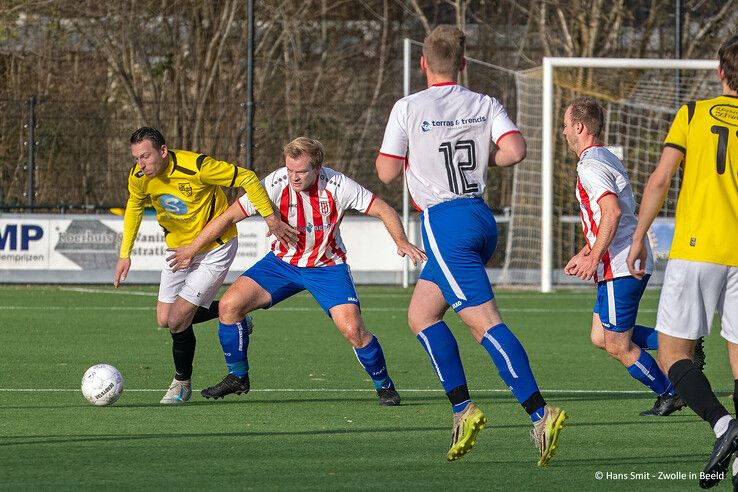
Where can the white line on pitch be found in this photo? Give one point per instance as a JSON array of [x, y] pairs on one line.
[[510, 295], [342, 390], [301, 309]]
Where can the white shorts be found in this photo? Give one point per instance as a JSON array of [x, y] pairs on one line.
[[200, 282], [692, 292]]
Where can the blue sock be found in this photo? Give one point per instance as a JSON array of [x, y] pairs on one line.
[[371, 359], [512, 362], [234, 339], [441, 346], [647, 372], [645, 337]]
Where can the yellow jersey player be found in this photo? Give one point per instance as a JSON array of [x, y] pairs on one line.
[[702, 274], [184, 188]]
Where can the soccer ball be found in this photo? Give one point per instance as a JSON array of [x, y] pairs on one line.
[[102, 384]]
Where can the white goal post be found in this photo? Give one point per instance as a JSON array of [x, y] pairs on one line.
[[547, 149], [534, 202]]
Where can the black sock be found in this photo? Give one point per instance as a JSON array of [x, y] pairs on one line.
[[206, 314], [735, 396], [460, 394], [695, 389], [183, 353], [534, 402]]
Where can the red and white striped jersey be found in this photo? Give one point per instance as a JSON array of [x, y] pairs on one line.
[[445, 132], [601, 173], [316, 213]]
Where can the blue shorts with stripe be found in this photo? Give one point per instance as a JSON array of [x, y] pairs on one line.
[[459, 237], [617, 302], [329, 285]]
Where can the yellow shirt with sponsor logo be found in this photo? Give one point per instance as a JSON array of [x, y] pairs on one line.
[[186, 196], [706, 226]]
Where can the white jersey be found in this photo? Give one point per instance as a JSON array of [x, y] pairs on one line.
[[316, 213], [601, 173], [445, 133]]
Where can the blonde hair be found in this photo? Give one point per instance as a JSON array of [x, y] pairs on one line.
[[443, 50], [306, 146]]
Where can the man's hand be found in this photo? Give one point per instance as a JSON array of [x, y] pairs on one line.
[[638, 252], [408, 249], [570, 267], [586, 266], [180, 258], [121, 270], [285, 234]]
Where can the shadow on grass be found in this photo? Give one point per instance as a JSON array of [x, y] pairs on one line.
[[10, 441]]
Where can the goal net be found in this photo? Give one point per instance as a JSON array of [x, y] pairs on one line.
[[640, 98], [534, 202]]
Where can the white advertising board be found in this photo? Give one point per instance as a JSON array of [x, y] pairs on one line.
[[84, 248]]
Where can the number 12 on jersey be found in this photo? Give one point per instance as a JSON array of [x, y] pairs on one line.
[[456, 169]]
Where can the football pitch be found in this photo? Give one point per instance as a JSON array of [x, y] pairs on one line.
[[311, 420]]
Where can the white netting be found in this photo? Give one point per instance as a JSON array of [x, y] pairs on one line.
[[640, 105]]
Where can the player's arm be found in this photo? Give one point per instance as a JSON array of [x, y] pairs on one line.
[[389, 167], [653, 197], [225, 174], [131, 222], [180, 258], [509, 150], [609, 219], [381, 210]]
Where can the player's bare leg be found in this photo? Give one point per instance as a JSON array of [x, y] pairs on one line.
[[347, 318], [242, 297], [427, 306], [640, 365]]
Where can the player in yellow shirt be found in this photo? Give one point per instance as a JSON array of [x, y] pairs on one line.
[[702, 273], [185, 189]]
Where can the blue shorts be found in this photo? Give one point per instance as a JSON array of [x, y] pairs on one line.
[[459, 237], [617, 302], [329, 285]]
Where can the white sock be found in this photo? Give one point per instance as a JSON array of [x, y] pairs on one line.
[[722, 425], [735, 467]]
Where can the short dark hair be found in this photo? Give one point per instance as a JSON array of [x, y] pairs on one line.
[[587, 111], [728, 56], [148, 133]]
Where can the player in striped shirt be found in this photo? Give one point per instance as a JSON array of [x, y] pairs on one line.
[[185, 190], [313, 200], [607, 208], [444, 137]]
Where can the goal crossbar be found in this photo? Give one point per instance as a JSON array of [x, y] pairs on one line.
[[549, 64]]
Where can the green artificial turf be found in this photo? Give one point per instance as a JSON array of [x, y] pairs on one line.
[[311, 421]]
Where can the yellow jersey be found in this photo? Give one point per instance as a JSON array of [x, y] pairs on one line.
[[706, 226], [186, 196]]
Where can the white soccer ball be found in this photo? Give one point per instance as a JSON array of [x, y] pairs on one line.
[[102, 384]]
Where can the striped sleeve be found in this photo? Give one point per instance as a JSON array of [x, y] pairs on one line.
[[597, 180]]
